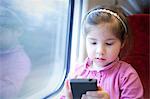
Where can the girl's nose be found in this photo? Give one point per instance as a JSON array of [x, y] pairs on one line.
[[100, 51]]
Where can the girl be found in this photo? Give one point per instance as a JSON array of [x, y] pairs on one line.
[[106, 34], [15, 64]]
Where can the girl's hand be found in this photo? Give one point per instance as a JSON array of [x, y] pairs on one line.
[[68, 90], [100, 94]]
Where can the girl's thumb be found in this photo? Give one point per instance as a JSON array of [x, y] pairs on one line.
[[68, 89], [99, 88], [67, 84]]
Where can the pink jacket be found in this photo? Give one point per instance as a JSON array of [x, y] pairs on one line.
[[119, 79]]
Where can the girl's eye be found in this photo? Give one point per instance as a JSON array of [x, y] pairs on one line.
[[93, 43], [109, 44]]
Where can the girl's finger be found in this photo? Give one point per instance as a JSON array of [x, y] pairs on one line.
[[99, 94], [67, 84], [100, 89], [90, 97], [83, 96], [95, 94], [68, 89]]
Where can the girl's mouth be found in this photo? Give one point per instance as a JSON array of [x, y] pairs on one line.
[[100, 59]]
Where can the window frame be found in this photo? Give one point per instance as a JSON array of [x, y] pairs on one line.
[[68, 46]]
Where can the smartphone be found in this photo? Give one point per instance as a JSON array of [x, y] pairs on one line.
[[81, 86]]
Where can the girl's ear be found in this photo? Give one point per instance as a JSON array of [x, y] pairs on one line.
[[125, 41]]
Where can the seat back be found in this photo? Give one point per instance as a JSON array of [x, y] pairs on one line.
[[139, 56]]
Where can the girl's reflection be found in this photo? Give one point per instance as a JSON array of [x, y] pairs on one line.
[[14, 62]]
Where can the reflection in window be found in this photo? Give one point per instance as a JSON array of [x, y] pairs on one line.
[[14, 62], [42, 43]]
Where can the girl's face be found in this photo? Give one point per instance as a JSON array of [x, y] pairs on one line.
[[8, 38], [102, 45]]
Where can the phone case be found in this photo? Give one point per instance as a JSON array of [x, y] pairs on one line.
[[80, 86]]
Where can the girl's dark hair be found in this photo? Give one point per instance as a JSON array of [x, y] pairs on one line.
[[119, 27], [10, 19]]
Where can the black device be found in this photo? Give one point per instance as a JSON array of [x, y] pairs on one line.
[[81, 86]]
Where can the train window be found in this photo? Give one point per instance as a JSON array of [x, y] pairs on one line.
[[33, 47]]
